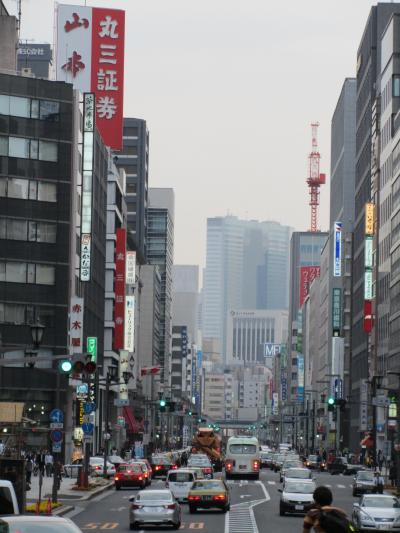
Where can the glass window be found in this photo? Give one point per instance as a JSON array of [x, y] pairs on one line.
[[20, 107], [45, 275], [1, 312], [16, 272], [14, 314], [3, 187], [47, 192], [33, 190], [34, 153], [35, 109], [31, 273], [18, 188], [2, 271], [2, 228], [18, 147], [16, 230], [46, 232], [3, 145], [49, 110], [396, 85], [32, 231], [48, 151], [4, 104], [45, 315]]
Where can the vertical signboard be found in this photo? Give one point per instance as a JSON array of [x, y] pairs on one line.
[[363, 405], [197, 393], [368, 252], [130, 268], [76, 325], [300, 378], [119, 306], [369, 218], [123, 368], [307, 276], [90, 55], [368, 285], [336, 312], [337, 243], [87, 185], [91, 346], [275, 403], [129, 335]]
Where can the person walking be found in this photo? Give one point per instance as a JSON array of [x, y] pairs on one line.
[[393, 474], [48, 461], [378, 483], [28, 470], [323, 517], [41, 461]]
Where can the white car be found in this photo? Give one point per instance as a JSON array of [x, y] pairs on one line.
[[179, 482], [97, 467], [377, 512], [297, 496], [295, 474]]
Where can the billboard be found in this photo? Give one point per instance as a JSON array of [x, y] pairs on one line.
[[119, 289], [307, 275], [336, 311], [369, 218], [337, 251], [129, 335], [90, 55], [300, 378]]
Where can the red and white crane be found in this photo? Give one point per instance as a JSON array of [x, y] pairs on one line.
[[315, 179]]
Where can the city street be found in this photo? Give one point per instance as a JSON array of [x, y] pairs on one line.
[[253, 505]]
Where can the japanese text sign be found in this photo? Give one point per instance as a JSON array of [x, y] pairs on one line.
[[119, 306], [130, 268], [129, 342], [75, 325], [336, 311], [307, 276], [369, 219], [90, 55]]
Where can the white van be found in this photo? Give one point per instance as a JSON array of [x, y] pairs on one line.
[[242, 458], [180, 482], [8, 499]]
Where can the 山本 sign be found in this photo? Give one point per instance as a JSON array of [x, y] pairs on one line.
[[90, 55]]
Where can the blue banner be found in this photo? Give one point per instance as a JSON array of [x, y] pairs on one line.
[[300, 378]]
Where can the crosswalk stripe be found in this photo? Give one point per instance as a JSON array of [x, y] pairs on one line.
[[271, 482], [341, 486]]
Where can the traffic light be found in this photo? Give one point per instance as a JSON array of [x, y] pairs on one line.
[[189, 413], [82, 365], [341, 402], [65, 366], [162, 403], [331, 404]]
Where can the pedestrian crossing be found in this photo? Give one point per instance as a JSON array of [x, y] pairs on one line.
[[337, 485], [240, 519]]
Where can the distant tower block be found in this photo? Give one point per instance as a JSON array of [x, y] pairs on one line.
[[315, 179]]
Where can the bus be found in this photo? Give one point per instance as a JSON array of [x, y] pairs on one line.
[[242, 458]]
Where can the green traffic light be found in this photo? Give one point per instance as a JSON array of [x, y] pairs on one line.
[[66, 366], [331, 401], [163, 403], [190, 413]]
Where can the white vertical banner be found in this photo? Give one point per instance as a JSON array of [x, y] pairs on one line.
[[123, 367], [76, 325], [129, 333]]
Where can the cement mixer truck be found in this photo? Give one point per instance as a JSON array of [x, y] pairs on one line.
[[208, 442]]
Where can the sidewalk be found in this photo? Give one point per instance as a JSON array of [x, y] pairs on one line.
[[65, 493]]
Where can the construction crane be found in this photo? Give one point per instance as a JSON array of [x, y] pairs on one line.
[[315, 179]]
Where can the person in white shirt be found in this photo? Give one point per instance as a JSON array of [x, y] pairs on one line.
[[48, 461], [378, 482]]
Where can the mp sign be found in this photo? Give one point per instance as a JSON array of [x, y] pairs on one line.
[[271, 349]]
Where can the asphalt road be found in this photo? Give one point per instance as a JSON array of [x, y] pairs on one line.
[[254, 508]]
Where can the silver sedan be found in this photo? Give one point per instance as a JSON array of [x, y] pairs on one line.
[[154, 507], [377, 512]]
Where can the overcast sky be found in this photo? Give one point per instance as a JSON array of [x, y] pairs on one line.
[[228, 89]]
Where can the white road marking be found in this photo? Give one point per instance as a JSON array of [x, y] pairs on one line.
[[75, 512], [271, 482], [245, 495], [341, 486]]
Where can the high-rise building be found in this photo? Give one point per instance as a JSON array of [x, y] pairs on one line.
[[134, 159], [368, 89], [246, 268], [8, 39], [185, 290], [160, 251]]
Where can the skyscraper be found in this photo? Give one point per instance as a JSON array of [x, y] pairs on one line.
[[160, 251]]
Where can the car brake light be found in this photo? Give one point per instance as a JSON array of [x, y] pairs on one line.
[[256, 465], [170, 506], [157, 467], [228, 465], [136, 506], [193, 498], [98, 468], [219, 497], [140, 478], [207, 470], [116, 478], [174, 467]]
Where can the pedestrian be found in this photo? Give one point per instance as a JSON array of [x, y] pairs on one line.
[[392, 474], [380, 460], [28, 470], [41, 461], [378, 483], [48, 461], [323, 517]]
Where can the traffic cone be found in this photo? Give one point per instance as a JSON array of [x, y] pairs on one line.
[[37, 507], [48, 507]]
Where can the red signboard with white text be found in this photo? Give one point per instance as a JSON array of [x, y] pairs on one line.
[[90, 55], [119, 289], [307, 275]]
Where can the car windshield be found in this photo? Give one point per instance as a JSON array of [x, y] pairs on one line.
[[289, 464], [302, 488], [161, 461], [243, 449], [365, 476], [181, 477], [153, 495], [313, 458], [37, 526], [203, 461], [130, 468], [299, 474], [208, 485], [387, 502]]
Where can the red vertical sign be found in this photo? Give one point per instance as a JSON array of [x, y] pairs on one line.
[[108, 42], [119, 289], [307, 275]]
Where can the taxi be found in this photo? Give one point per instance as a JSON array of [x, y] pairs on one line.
[[131, 475], [209, 494]]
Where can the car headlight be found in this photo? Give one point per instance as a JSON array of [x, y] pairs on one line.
[[284, 499], [365, 517]]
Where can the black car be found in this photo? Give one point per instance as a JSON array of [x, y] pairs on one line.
[[161, 466], [339, 465]]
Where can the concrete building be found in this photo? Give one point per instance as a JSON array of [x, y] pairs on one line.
[[134, 159], [34, 59], [249, 330], [160, 250], [185, 295], [8, 40], [217, 395]]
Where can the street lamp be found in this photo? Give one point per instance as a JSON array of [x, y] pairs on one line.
[[37, 331], [111, 376]]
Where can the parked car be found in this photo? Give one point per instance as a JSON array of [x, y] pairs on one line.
[[364, 481], [130, 475], [208, 494], [377, 512], [154, 507], [297, 497], [180, 481], [42, 524], [8, 498]]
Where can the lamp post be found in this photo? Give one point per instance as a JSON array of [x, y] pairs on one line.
[[37, 332], [111, 376]]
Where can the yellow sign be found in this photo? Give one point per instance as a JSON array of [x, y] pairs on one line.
[[11, 412], [369, 219]]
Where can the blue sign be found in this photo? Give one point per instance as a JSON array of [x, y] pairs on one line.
[[88, 408], [337, 261], [57, 416], [284, 388], [338, 388], [87, 428], [300, 378], [56, 435]]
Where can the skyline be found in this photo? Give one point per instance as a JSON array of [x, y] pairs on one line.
[[207, 103]]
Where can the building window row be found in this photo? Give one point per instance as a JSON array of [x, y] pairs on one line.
[[17, 106], [43, 191], [16, 272], [27, 230], [28, 148], [19, 314]]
